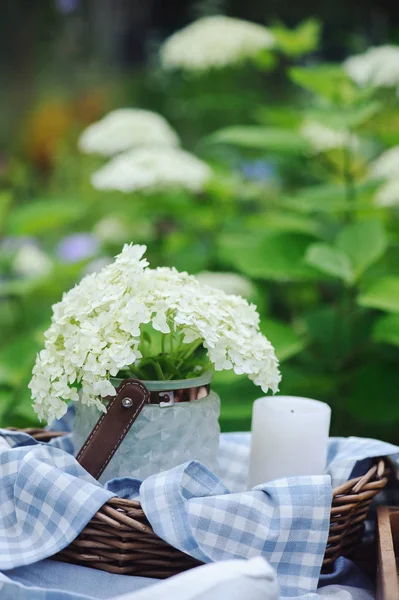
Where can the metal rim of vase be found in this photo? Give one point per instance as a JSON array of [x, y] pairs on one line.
[[172, 384]]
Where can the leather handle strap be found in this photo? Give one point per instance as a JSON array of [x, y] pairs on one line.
[[110, 430]]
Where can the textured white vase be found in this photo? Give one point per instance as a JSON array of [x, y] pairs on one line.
[[160, 438]]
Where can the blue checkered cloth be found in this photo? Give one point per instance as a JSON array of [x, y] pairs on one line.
[[46, 499]]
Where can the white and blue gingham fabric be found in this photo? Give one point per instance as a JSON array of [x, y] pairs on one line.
[[46, 499]]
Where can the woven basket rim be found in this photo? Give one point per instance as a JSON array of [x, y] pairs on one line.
[[119, 538]]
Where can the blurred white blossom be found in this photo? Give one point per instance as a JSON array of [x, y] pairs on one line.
[[111, 229], [231, 283], [95, 331], [322, 138], [31, 262], [214, 41], [378, 66], [126, 128], [386, 166], [388, 194], [152, 168]]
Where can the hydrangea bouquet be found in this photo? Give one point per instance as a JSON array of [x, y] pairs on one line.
[[159, 324], [156, 325]]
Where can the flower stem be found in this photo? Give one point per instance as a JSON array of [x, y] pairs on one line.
[[158, 370], [193, 346], [142, 343]]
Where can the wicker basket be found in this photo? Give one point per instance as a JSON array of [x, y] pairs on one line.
[[119, 537]]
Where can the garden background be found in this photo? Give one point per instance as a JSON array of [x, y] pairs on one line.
[[302, 203]]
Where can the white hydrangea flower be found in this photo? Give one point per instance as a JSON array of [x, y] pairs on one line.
[[377, 66], [231, 283], [214, 42], [126, 128], [322, 138], [31, 262], [386, 166], [388, 194], [152, 169], [95, 331]]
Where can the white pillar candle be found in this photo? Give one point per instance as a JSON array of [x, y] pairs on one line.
[[289, 438]]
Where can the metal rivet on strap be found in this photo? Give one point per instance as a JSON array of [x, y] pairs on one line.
[[127, 402]]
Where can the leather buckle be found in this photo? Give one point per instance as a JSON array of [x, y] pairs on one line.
[[166, 399]]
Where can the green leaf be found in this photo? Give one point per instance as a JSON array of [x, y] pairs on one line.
[[17, 359], [301, 40], [265, 60], [331, 261], [286, 117], [285, 221], [256, 137], [24, 415], [386, 330], [385, 125], [284, 339], [329, 198], [382, 294], [335, 334], [7, 399], [275, 256], [18, 287], [374, 396], [328, 335], [16, 407], [43, 215], [364, 242], [329, 81], [306, 382], [347, 117], [186, 253]]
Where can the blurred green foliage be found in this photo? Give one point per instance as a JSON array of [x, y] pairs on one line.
[[303, 225]]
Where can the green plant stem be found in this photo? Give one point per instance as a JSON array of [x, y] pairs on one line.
[[193, 346], [136, 372], [180, 344], [158, 370], [350, 190], [142, 344]]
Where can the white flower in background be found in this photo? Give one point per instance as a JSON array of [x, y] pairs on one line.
[[214, 42], [152, 169], [386, 166], [388, 194], [95, 331], [322, 138], [231, 283], [31, 262], [377, 66], [126, 128], [111, 229]]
